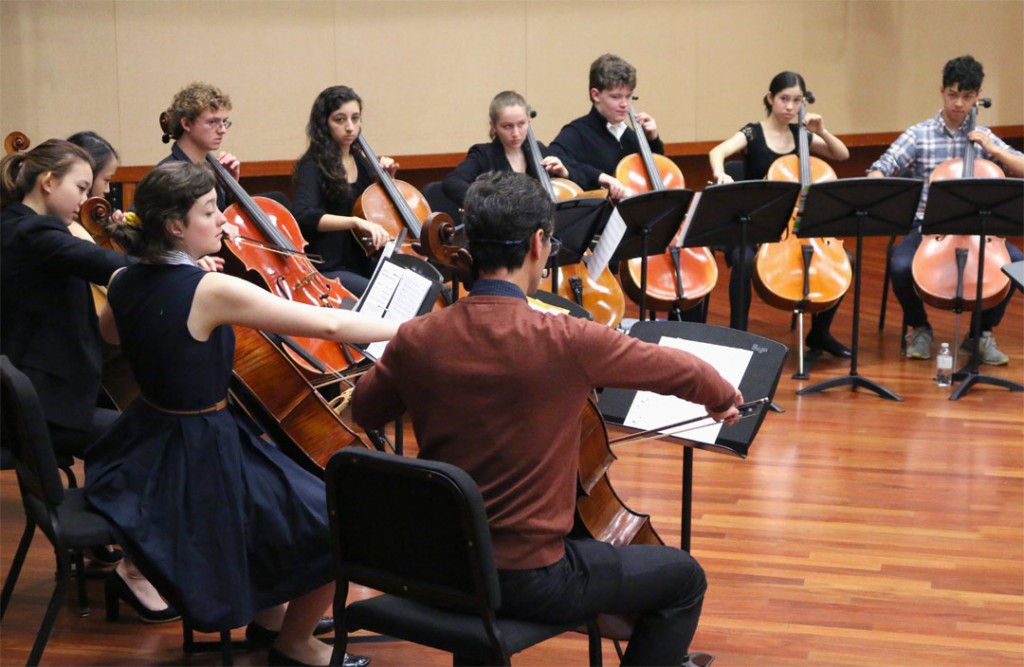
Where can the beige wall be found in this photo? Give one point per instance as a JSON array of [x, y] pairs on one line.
[[427, 69]]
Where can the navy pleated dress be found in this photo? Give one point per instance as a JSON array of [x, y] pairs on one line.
[[221, 521]]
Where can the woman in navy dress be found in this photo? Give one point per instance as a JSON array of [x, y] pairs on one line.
[[225, 525]]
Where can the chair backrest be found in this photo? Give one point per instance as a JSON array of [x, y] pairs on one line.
[[736, 169], [26, 433], [412, 528], [439, 201]]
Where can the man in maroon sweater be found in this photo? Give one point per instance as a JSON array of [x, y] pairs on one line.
[[496, 388]]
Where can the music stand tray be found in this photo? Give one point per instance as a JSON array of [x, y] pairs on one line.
[[859, 207], [741, 214], [1015, 271], [977, 207], [761, 379], [577, 221]]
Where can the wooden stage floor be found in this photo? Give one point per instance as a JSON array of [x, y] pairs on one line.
[[859, 531]]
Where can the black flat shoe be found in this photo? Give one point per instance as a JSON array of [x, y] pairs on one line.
[[277, 659], [829, 344], [115, 588], [104, 556], [259, 636]]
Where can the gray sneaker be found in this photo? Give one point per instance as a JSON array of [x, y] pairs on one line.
[[919, 343], [988, 352]]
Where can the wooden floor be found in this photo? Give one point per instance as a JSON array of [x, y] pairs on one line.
[[859, 531]]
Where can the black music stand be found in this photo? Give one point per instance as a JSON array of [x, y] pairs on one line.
[[577, 221], [980, 207], [1015, 271], [760, 380], [742, 213], [652, 220], [859, 207]]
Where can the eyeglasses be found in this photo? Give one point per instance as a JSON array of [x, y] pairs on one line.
[[214, 123], [556, 244]]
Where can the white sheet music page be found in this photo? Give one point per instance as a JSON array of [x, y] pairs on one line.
[[606, 245], [396, 293], [650, 410]]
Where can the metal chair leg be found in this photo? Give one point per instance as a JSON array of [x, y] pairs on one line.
[[885, 282], [19, 560]]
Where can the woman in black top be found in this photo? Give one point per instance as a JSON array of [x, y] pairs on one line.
[[329, 177], [510, 119], [761, 143]]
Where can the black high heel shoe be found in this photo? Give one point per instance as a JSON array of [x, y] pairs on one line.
[[115, 589], [260, 637], [827, 343]]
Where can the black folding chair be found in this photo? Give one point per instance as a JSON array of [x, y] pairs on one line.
[[417, 531], [60, 514]]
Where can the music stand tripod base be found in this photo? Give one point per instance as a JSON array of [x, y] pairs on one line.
[[859, 207]]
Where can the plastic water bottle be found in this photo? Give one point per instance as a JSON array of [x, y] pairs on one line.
[[944, 367]]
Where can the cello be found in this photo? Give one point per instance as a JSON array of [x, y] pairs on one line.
[[267, 244], [602, 297], [393, 204], [938, 279], [810, 275], [678, 278]]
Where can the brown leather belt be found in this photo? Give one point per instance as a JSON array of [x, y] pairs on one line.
[[219, 405]]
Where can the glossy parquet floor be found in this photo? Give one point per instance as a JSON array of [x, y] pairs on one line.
[[859, 531]]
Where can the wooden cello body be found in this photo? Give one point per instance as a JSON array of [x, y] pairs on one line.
[[602, 296], [395, 205], [679, 278], [807, 274], [938, 280], [600, 513], [269, 245]]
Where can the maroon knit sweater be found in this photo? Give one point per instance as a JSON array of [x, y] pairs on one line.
[[497, 389]]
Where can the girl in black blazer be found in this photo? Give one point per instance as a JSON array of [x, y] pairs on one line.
[[510, 119]]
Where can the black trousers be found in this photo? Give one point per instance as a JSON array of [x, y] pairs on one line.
[[739, 289], [662, 586]]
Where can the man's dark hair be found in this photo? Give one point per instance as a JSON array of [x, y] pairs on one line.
[[964, 72], [501, 211]]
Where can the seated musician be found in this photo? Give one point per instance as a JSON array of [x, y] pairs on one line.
[[520, 379], [603, 137], [599, 140], [197, 121], [329, 178], [510, 119], [219, 519], [921, 149], [761, 143]]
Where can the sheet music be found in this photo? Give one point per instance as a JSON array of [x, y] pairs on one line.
[[650, 410], [396, 293], [606, 245]]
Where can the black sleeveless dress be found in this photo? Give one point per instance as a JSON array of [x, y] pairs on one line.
[[220, 520]]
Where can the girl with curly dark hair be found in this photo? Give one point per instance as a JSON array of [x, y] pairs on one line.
[[329, 177]]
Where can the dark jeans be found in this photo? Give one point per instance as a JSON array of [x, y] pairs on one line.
[[903, 283], [353, 282], [663, 586], [821, 323]]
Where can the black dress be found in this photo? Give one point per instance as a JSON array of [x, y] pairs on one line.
[[340, 250], [221, 521]]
